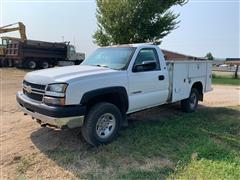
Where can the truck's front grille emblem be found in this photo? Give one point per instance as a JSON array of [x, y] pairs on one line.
[[28, 89], [33, 91]]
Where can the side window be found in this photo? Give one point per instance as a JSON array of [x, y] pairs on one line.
[[72, 49], [147, 54], [4, 42]]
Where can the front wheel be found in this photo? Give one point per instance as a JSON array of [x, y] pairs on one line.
[[102, 124], [190, 104], [78, 62]]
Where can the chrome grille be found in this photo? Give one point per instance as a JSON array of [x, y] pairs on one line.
[[33, 91]]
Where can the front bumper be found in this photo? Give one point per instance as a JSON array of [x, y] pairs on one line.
[[58, 116]]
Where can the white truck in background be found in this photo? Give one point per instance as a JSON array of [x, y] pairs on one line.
[[110, 84]]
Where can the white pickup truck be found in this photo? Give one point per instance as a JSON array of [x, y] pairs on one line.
[[110, 84]]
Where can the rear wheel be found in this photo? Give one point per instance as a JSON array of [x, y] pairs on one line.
[[102, 124], [45, 65], [32, 64], [190, 104]]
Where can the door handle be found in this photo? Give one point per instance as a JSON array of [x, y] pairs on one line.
[[161, 77]]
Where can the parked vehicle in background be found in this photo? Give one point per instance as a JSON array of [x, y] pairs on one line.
[[34, 54], [111, 83], [6, 40], [223, 65]]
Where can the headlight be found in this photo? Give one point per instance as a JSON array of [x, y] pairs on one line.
[[55, 94], [56, 90]]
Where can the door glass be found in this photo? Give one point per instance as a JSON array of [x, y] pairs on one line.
[[148, 54]]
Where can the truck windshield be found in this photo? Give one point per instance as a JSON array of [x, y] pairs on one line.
[[113, 58]]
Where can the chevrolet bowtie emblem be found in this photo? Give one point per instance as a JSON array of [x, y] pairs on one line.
[[29, 89]]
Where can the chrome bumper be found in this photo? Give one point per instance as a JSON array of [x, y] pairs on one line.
[[70, 122]]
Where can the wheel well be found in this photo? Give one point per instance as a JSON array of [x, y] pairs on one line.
[[110, 98], [198, 85], [115, 95]]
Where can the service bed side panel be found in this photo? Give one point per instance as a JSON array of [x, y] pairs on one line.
[[180, 83], [197, 69], [183, 74], [208, 86]]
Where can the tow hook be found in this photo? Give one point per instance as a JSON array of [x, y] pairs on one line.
[[41, 124], [39, 121]]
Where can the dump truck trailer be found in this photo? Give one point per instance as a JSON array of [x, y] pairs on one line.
[[34, 54]]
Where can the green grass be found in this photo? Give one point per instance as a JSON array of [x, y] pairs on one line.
[[23, 165], [201, 145], [225, 80]]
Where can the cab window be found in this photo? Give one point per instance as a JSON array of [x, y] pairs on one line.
[[4, 42], [72, 49], [147, 54]]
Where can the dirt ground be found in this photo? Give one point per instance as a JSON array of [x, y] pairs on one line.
[[21, 136]]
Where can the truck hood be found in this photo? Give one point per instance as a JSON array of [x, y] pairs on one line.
[[65, 74]]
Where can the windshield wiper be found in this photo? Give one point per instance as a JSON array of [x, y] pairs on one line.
[[99, 65], [105, 66]]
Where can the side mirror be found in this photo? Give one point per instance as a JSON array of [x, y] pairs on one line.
[[145, 66]]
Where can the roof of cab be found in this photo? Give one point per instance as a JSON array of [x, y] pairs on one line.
[[134, 45]]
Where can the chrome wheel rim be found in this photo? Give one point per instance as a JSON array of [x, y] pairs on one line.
[[193, 100], [105, 125]]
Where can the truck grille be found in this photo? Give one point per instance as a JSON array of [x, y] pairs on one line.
[[33, 91]]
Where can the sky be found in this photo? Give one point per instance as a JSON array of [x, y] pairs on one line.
[[205, 25]]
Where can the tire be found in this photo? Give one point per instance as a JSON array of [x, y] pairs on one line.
[[102, 124], [5, 63], [45, 65], [31, 64], [10, 63], [1, 62], [77, 62], [190, 104]]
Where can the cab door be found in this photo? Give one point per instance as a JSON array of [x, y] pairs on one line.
[[148, 87]]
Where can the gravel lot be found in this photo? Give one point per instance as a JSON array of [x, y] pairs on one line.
[[21, 136]]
